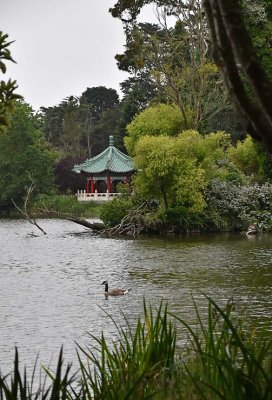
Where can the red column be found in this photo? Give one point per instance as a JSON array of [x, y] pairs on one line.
[[87, 186], [92, 185], [108, 184]]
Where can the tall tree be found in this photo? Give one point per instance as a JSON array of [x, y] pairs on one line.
[[102, 107], [177, 58], [99, 99], [71, 131]]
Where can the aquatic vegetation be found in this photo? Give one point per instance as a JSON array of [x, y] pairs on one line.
[[219, 361]]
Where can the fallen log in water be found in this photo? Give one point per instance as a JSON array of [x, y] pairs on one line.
[[95, 226]]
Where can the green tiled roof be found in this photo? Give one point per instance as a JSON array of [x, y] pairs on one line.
[[111, 160]]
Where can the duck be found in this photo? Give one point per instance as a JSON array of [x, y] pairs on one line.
[[115, 291]]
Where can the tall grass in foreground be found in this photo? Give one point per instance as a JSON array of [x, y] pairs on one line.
[[220, 361], [138, 364]]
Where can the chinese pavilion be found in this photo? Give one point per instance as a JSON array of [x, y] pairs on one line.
[[103, 172]]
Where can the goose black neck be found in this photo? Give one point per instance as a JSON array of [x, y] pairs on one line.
[[106, 287]]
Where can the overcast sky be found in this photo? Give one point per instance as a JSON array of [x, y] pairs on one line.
[[61, 47]]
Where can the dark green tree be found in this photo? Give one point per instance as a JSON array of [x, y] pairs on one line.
[[51, 122], [66, 180], [24, 153], [7, 89], [101, 107], [99, 99], [258, 19], [103, 128], [74, 126], [64, 126]]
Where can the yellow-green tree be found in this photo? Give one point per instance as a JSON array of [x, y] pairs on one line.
[[249, 157], [160, 119], [177, 170], [156, 161]]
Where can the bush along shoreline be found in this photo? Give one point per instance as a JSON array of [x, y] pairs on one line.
[[228, 208], [221, 360]]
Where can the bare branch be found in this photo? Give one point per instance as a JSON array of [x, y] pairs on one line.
[[132, 224], [25, 211]]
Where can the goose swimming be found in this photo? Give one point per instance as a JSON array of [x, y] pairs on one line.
[[115, 291]]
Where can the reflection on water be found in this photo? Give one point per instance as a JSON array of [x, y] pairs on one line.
[[51, 291]]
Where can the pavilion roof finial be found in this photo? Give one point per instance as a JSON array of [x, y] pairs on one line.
[[111, 138]]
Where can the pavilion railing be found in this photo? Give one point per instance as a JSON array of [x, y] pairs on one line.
[[82, 195]]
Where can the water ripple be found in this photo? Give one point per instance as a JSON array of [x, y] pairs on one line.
[[51, 293]]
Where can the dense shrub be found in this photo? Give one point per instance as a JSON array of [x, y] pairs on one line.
[[182, 220], [233, 206], [114, 211]]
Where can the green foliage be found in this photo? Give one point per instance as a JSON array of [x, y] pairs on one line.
[[81, 126], [250, 158], [226, 362], [23, 388], [175, 56], [135, 365], [71, 130], [112, 212], [232, 206], [180, 219], [102, 128], [210, 154], [259, 21], [137, 91], [24, 153], [156, 161], [100, 99], [190, 185], [5, 54], [177, 170], [161, 119], [7, 89], [207, 176]]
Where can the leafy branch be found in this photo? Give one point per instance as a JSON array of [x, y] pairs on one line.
[[7, 89]]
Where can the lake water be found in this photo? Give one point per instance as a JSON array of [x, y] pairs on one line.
[[51, 293]]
